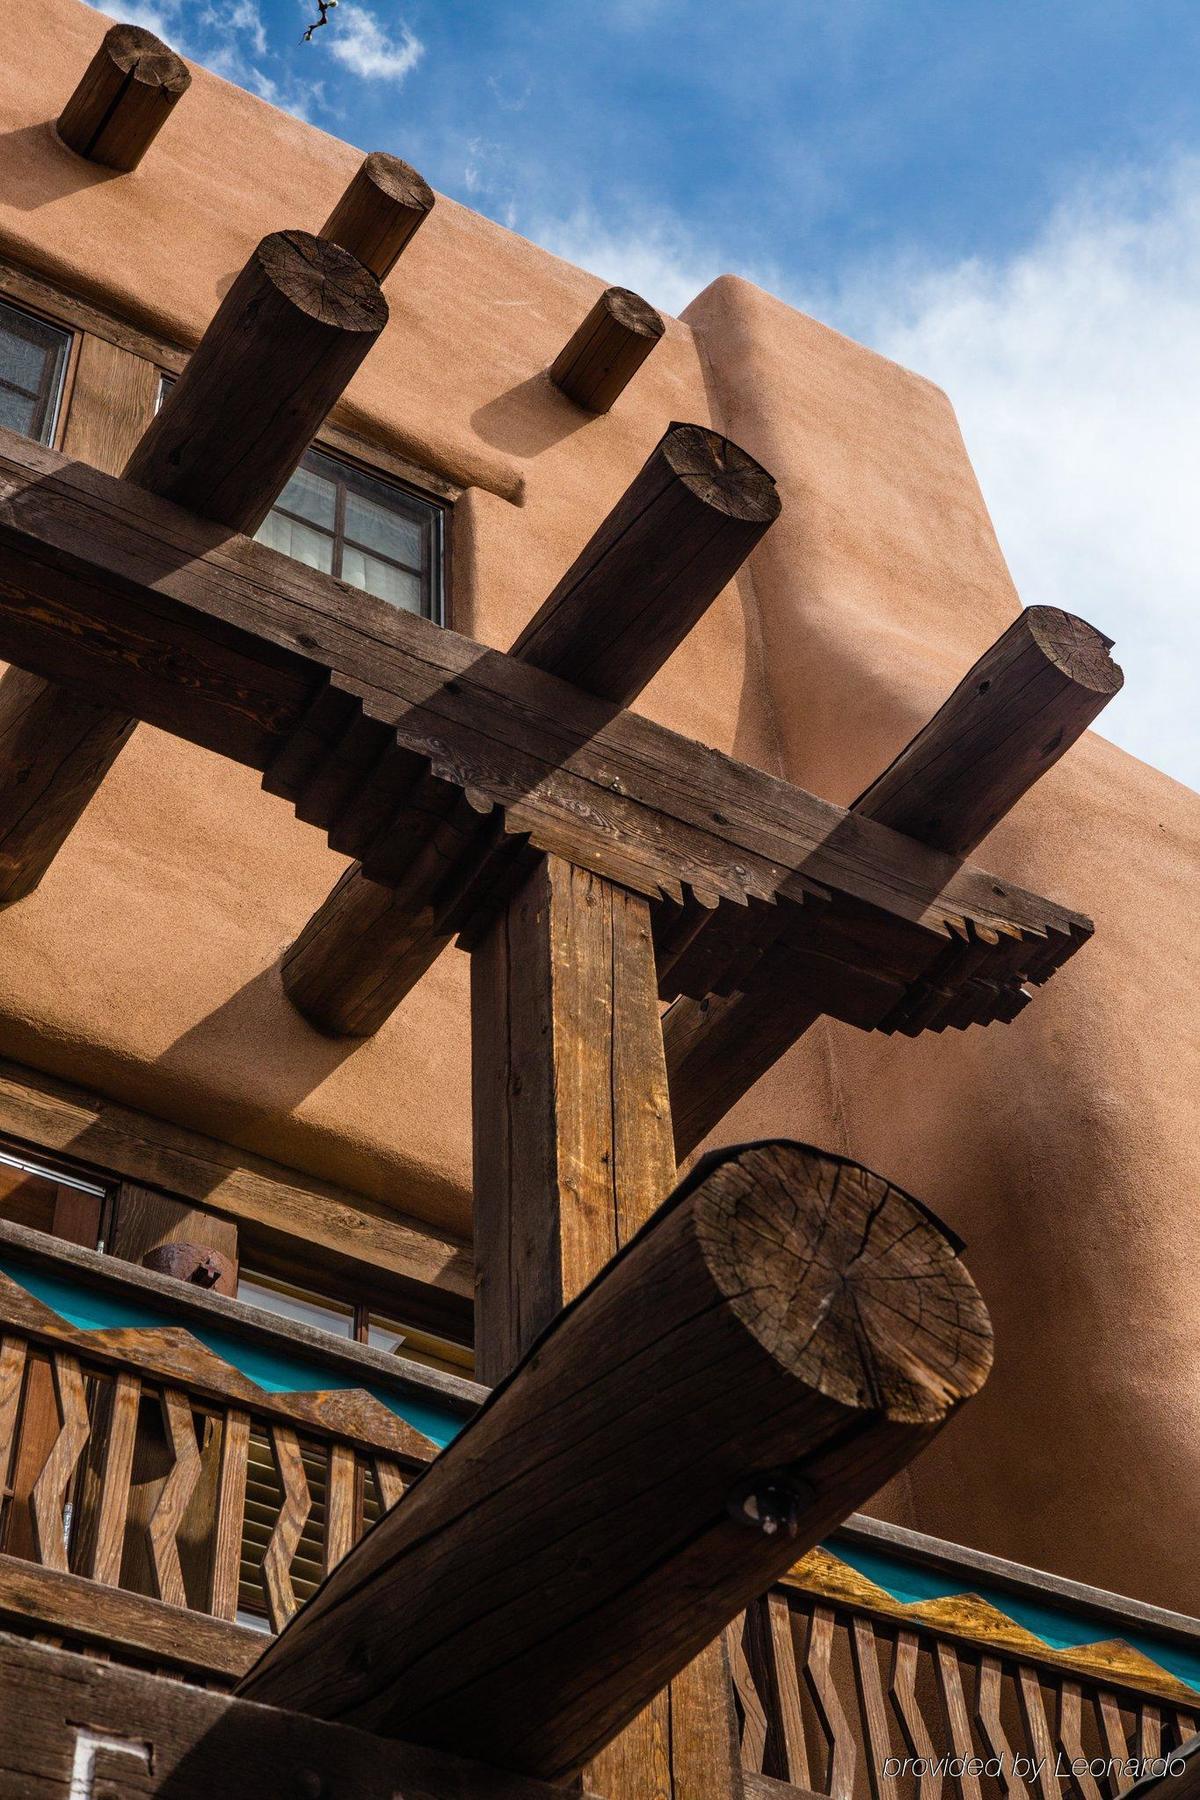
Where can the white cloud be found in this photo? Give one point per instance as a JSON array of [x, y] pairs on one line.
[[159, 18], [1074, 367], [238, 15], [359, 41], [652, 253]]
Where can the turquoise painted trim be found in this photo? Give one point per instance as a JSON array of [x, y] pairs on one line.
[[909, 1583], [92, 1309]]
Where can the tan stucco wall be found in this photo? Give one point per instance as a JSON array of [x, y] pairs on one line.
[[1060, 1147]]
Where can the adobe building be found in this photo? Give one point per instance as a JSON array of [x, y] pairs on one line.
[[169, 1114]]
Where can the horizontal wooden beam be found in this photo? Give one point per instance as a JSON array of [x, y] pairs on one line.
[[282, 345], [124, 98], [78, 1729], [1013, 715], [351, 707], [784, 1334], [676, 537], [385, 204], [600, 359]]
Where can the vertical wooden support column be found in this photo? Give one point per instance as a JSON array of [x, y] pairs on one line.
[[573, 1152]]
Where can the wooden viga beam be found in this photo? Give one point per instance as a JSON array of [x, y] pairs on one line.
[[381, 210], [353, 708], [286, 339], [1013, 715], [601, 358], [124, 98], [677, 536], [785, 1334]]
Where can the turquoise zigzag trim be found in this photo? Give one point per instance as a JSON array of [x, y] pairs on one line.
[[91, 1309], [909, 1583]]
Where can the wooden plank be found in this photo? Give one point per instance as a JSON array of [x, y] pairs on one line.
[[112, 1730], [651, 570], [957, 1718], [843, 1751], [230, 1514], [987, 1711], [384, 205], [1112, 1727], [285, 1537], [49, 1495], [119, 1433], [173, 1497], [113, 399], [876, 1730], [605, 352], [388, 1480], [228, 644], [124, 98], [340, 1505], [755, 1724], [86, 1611], [787, 1689], [663, 1389], [1070, 1736], [1015, 713], [703, 1741], [12, 1377], [146, 1221], [912, 1719], [361, 1233], [1037, 1730], [572, 1125]]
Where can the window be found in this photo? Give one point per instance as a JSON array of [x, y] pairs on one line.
[[373, 534], [64, 1204], [356, 1321], [33, 361]]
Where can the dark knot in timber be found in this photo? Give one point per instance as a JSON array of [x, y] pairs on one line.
[[123, 99], [786, 1332], [281, 348], [384, 205]]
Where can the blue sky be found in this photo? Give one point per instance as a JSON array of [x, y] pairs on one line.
[[1003, 194]]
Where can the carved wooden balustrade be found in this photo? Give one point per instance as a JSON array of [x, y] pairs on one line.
[[165, 1449], [885, 1648]]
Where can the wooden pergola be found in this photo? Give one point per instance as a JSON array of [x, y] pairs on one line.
[[689, 1391]]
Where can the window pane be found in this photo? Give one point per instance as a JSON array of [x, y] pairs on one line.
[[298, 541], [33, 357], [390, 583], [419, 1346], [383, 528], [296, 1303], [312, 496]]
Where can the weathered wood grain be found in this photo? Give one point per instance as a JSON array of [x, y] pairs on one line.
[[605, 352], [230, 645], [635, 1457], [1013, 715], [49, 1494], [194, 1744], [124, 98], [381, 209], [656, 564]]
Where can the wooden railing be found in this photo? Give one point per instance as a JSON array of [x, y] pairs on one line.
[[163, 1449], [886, 1653]]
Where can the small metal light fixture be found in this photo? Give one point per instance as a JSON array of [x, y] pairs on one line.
[[771, 1501]]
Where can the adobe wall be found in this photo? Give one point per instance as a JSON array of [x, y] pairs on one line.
[[147, 964]]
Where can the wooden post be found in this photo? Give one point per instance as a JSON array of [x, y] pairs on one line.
[[599, 361], [784, 1335], [384, 206], [673, 541], [572, 1153], [124, 98], [283, 344], [1013, 715]]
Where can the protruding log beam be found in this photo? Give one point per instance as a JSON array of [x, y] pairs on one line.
[[124, 98], [680, 532], [384, 206], [1017, 711], [284, 342], [599, 361], [785, 1334], [282, 346]]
